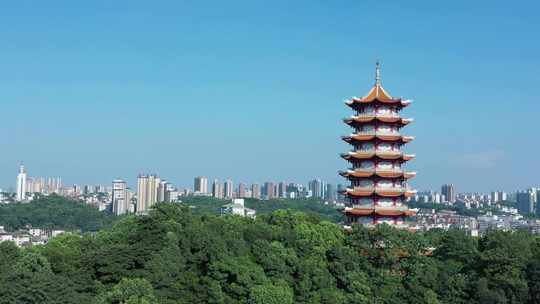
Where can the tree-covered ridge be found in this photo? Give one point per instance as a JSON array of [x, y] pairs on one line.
[[315, 207], [54, 212], [174, 256]]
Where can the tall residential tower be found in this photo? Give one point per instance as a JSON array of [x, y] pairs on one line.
[[201, 185], [21, 184], [147, 192], [120, 202], [449, 192], [228, 188]]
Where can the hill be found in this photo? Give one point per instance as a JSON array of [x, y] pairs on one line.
[[54, 212], [175, 256], [314, 207]]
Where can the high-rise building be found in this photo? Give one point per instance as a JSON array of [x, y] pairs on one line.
[[256, 191], [449, 192], [29, 184], [147, 192], [537, 202], [38, 185], [171, 193], [54, 185], [229, 188], [330, 193], [316, 188], [217, 189], [498, 196], [120, 200], [282, 190], [76, 189], [21, 184], [142, 192], [241, 190], [50, 185], [533, 192], [525, 202], [378, 182], [494, 197], [99, 189], [163, 188], [340, 192], [269, 190], [293, 188], [153, 186], [88, 189], [130, 201], [201, 185]]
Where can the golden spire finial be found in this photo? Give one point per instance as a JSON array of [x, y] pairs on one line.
[[377, 73]]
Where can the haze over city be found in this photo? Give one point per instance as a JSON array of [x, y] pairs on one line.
[[254, 91]]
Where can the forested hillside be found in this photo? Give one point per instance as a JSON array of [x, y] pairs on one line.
[[174, 256], [54, 212], [315, 207]]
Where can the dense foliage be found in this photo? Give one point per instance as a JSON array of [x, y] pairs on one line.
[[174, 256], [313, 207], [53, 212], [316, 207]]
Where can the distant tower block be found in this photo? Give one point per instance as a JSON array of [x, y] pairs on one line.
[[21, 184], [378, 182]]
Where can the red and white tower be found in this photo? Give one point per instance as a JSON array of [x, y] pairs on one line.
[[378, 182]]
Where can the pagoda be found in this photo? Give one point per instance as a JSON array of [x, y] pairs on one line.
[[378, 188]]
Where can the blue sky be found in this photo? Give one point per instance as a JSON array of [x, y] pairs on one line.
[[253, 90]]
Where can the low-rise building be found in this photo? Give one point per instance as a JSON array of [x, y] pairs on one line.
[[237, 208]]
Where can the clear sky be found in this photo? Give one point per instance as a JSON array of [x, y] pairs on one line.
[[254, 90]]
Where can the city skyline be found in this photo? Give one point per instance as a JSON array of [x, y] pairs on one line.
[[188, 182], [200, 185], [181, 96]]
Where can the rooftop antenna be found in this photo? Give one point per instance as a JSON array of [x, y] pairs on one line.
[[377, 73]]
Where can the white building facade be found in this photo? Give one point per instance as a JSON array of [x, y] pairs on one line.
[[120, 203], [21, 184]]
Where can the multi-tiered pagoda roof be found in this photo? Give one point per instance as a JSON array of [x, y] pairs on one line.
[[378, 189]]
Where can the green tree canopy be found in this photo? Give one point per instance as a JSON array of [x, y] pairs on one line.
[[173, 255]]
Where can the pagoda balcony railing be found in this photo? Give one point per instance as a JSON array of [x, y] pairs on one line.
[[381, 191], [373, 133], [381, 151], [380, 172], [374, 114], [367, 154], [398, 226], [378, 188], [392, 170], [401, 207]]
